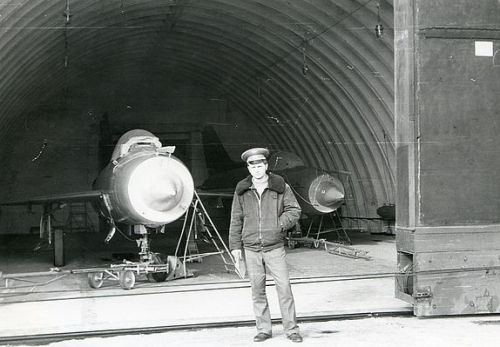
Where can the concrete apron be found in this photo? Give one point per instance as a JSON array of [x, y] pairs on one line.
[[192, 305]]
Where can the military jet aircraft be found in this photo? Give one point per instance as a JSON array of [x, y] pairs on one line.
[[317, 191], [144, 186]]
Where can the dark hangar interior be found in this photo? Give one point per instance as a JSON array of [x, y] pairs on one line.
[[308, 77]]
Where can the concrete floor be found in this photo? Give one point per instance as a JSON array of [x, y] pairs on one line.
[[67, 304], [85, 251]]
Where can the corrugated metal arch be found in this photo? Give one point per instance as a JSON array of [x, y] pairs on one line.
[[339, 116]]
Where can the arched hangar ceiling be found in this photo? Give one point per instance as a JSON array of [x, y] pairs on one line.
[[312, 74]]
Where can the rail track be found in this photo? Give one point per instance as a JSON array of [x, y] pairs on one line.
[[29, 286], [41, 339]]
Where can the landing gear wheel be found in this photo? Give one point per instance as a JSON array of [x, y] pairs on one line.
[[127, 279], [95, 279], [157, 276]]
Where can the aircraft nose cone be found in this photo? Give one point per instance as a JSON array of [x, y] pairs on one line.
[[328, 194], [160, 189], [159, 194]]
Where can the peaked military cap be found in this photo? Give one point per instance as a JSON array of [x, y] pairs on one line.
[[253, 154]]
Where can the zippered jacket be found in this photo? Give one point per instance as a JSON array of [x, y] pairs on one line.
[[261, 223]]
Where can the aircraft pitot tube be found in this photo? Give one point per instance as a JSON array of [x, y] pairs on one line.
[[144, 183]]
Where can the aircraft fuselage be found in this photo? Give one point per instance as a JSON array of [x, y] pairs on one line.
[[146, 186]]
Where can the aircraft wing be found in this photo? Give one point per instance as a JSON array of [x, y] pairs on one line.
[[85, 196], [216, 193]]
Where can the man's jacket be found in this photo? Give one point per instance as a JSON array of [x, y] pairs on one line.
[[261, 223]]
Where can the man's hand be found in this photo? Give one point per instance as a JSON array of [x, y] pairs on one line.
[[239, 264], [237, 254]]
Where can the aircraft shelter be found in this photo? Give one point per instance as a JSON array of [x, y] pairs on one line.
[[398, 98]]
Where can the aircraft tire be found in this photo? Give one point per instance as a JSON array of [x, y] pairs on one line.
[[154, 277], [157, 277]]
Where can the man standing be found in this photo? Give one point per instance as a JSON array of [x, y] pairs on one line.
[[264, 207]]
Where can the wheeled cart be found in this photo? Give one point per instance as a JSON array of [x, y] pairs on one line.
[[125, 273]]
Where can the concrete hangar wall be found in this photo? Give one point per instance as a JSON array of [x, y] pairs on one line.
[[318, 78]]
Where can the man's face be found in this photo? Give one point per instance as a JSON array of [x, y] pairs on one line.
[[257, 170]]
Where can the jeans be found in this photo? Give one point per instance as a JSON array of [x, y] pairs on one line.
[[275, 261]]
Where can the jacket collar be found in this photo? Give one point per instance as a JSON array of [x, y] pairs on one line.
[[276, 183]]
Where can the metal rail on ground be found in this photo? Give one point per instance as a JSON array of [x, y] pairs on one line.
[[45, 338]]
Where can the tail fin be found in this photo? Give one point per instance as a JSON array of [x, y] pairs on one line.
[[217, 159]]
